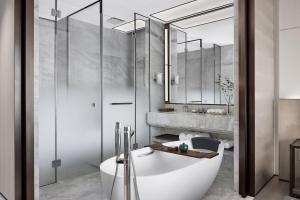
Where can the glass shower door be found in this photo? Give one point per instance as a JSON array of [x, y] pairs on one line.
[[78, 68], [46, 104], [117, 84], [142, 79]]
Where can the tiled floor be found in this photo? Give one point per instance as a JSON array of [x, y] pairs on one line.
[[88, 187], [275, 190]]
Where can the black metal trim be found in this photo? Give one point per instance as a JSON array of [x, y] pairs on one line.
[[121, 103], [43, 18], [149, 77], [214, 73], [201, 85], [2, 196], [167, 27], [201, 69], [135, 64], [55, 91], [190, 41], [101, 80], [81, 9]]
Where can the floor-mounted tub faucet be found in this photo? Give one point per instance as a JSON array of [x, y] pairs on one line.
[[126, 161], [127, 144]]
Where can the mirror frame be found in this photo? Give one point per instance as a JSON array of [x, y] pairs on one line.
[[167, 59]]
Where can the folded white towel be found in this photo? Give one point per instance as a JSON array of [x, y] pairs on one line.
[[202, 135], [182, 137], [189, 136], [215, 111], [228, 144]]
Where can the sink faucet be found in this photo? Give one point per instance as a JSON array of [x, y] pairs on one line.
[[185, 108]]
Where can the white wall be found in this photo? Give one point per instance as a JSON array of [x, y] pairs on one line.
[[288, 31], [289, 48]]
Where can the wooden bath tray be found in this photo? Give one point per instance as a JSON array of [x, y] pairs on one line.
[[189, 153]]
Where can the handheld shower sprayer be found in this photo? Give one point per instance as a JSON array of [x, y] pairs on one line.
[[118, 141]]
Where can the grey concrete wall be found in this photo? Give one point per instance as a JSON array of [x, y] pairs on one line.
[[7, 99], [208, 82], [193, 76], [157, 66]]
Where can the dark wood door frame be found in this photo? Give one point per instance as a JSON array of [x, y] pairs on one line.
[[246, 98], [24, 99], [25, 51]]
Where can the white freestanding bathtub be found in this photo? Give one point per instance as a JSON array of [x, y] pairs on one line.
[[164, 176]]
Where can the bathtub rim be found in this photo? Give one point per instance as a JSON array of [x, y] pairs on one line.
[[112, 159]]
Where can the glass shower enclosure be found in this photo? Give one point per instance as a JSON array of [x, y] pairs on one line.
[[70, 115], [78, 72], [91, 75]]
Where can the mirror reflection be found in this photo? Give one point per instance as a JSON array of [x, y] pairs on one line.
[[201, 61]]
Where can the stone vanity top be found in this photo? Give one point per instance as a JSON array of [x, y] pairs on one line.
[[192, 121]]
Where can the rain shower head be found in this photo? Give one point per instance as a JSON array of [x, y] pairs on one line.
[[115, 21]]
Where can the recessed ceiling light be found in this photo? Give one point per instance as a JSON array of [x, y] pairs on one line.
[[129, 26], [215, 16], [190, 8]]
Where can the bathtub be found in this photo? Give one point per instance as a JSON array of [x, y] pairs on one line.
[[164, 176]]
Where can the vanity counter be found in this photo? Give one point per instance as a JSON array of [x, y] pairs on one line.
[[192, 121]]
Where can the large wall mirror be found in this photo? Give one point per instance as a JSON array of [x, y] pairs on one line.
[[199, 58]]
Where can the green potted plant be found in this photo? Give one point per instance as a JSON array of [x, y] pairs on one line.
[[227, 89]]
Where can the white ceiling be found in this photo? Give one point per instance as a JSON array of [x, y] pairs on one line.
[[190, 8], [123, 9], [205, 19], [219, 32]]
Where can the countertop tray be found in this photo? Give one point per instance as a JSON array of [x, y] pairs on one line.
[[189, 153]]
